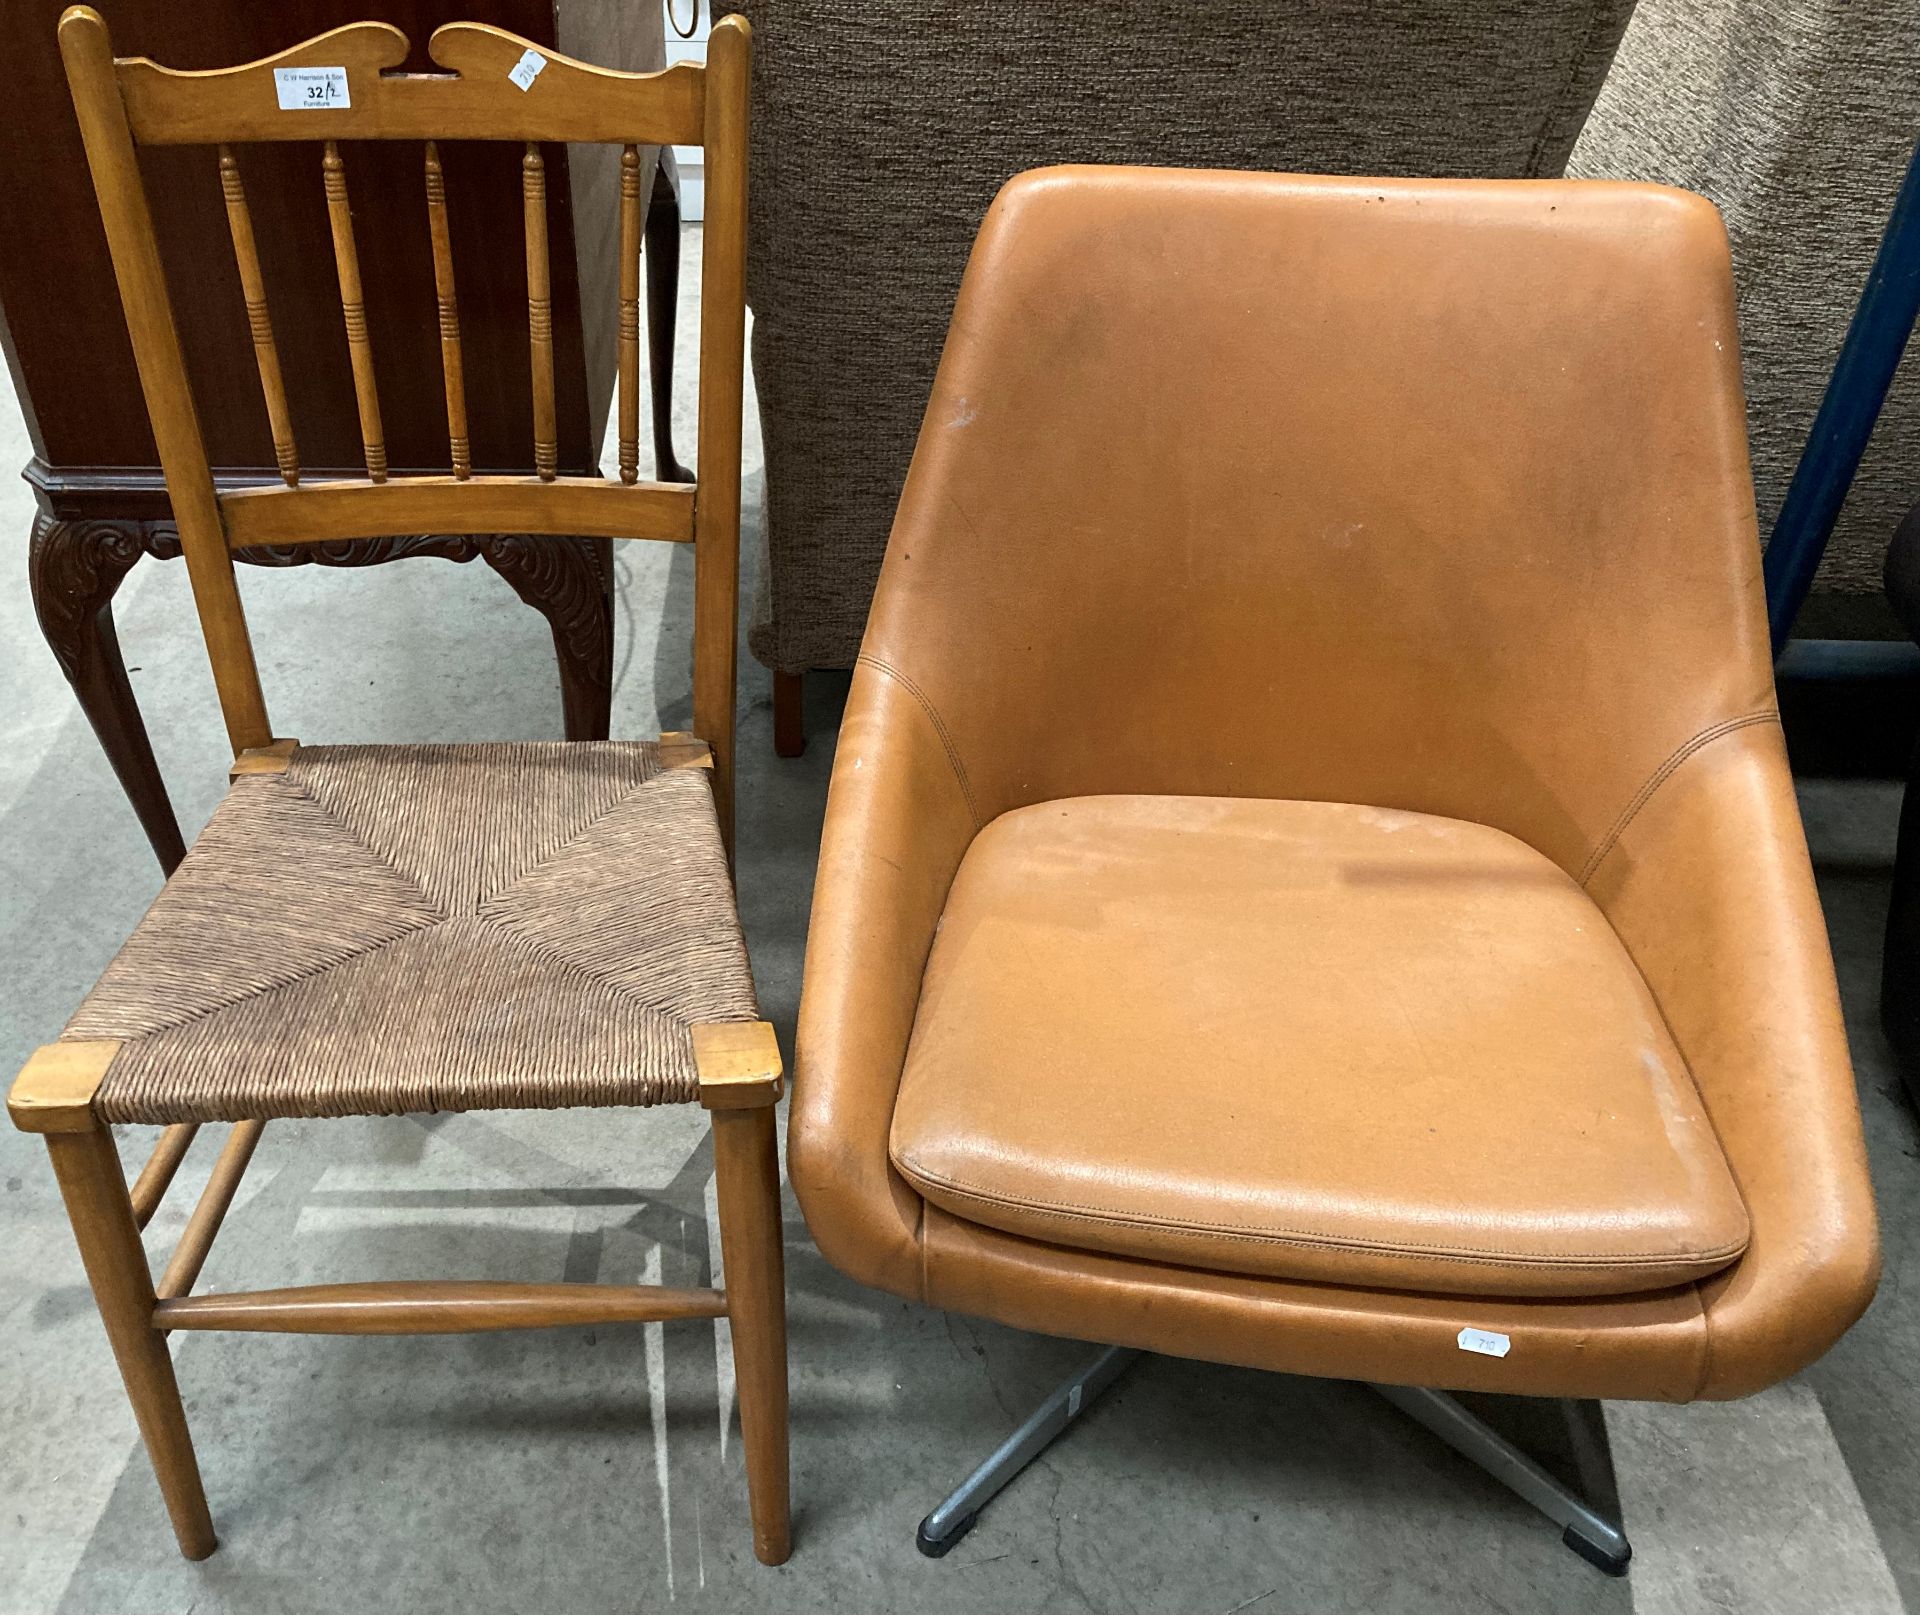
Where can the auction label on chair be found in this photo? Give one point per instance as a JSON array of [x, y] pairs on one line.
[[1487, 1342], [311, 89], [527, 69]]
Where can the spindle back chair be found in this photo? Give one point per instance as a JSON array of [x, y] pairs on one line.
[[123, 105], [378, 930]]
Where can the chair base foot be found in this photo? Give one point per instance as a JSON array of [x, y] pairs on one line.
[[1609, 1561], [1598, 1540], [938, 1547], [954, 1518]]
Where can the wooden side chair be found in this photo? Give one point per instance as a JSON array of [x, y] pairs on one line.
[[370, 930]]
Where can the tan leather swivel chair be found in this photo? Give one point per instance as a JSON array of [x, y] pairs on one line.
[[1312, 878]]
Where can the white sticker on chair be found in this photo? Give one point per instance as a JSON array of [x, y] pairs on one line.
[[311, 89], [527, 69], [1487, 1342]]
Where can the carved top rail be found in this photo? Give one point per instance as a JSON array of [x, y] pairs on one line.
[[477, 98]]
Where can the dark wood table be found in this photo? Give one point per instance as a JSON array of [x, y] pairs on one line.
[[102, 503]]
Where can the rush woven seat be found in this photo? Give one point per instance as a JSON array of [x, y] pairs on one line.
[[382, 929]]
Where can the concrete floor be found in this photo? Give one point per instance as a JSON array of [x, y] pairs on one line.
[[597, 1470]]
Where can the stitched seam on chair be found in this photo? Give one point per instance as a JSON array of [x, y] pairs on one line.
[[1478, 1256], [921, 1251], [939, 728], [1706, 1342], [1658, 778]]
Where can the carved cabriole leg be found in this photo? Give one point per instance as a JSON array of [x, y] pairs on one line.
[[663, 300], [569, 581], [74, 569]]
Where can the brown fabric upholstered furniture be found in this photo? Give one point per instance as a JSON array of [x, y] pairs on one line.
[[367, 930], [872, 170], [1311, 866]]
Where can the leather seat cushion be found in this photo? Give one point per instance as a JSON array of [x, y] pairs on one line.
[[1308, 1040]]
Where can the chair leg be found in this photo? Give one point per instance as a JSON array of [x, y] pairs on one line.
[[789, 714], [746, 1167], [73, 569], [1583, 1528], [91, 1183], [941, 1531]]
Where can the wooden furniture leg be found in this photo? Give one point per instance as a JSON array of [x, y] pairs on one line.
[[747, 1179], [88, 1167], [74, 568], [662, 257], [740, 1079], [789, 714]]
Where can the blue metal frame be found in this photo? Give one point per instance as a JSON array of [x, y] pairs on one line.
[[1875, 340]]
